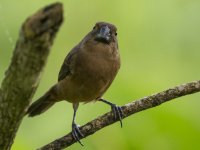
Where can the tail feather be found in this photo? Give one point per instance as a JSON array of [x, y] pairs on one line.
[[41, 105]]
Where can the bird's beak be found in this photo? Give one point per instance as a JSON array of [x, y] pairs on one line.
[[103, 35]]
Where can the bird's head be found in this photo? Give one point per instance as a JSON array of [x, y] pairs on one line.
[[104, 32], [102, 37]]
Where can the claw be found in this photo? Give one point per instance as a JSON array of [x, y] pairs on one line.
[[76, 133], [117, 110]]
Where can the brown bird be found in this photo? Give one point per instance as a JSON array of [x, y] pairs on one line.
[[85, 75]]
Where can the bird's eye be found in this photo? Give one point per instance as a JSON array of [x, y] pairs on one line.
[[115, 33], [94, 27]]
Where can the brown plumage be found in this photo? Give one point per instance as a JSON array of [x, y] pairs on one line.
[[86, 73]]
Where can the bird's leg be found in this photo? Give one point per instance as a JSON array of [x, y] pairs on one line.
[[117, 110], [76, 133]]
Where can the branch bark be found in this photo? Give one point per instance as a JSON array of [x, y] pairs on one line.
[[128, 109], [23, 74]]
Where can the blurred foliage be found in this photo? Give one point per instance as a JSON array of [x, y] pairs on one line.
[[160, 47]]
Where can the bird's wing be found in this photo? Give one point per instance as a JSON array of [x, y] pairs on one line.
[[67, 66]]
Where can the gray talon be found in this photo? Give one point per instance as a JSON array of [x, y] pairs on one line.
[[117, 110], [117, 113], [76, 133]]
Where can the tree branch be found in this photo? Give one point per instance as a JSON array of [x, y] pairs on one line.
[[22, 76], [128, 109]]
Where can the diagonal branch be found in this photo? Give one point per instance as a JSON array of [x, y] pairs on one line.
[[22, 76], [128, 109]]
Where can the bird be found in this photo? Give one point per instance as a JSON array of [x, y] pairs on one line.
[[85, 75]]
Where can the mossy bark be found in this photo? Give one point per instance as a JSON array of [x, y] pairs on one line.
[[22, 76]]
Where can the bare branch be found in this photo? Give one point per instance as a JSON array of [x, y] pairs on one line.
[[28, 60], [128, 109]]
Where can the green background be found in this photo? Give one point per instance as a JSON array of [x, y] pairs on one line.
[[159, 43]]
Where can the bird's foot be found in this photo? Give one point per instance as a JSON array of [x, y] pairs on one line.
[[117, 110], [76, 133], [118, 114]]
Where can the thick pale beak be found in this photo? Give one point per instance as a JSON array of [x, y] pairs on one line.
[[103, 35]]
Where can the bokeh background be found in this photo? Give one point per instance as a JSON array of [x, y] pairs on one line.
[[159, 43]]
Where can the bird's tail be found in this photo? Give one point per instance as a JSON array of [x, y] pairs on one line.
[[42, 104]]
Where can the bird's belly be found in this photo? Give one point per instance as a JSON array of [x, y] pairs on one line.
[[91, 88], [82, 88]]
